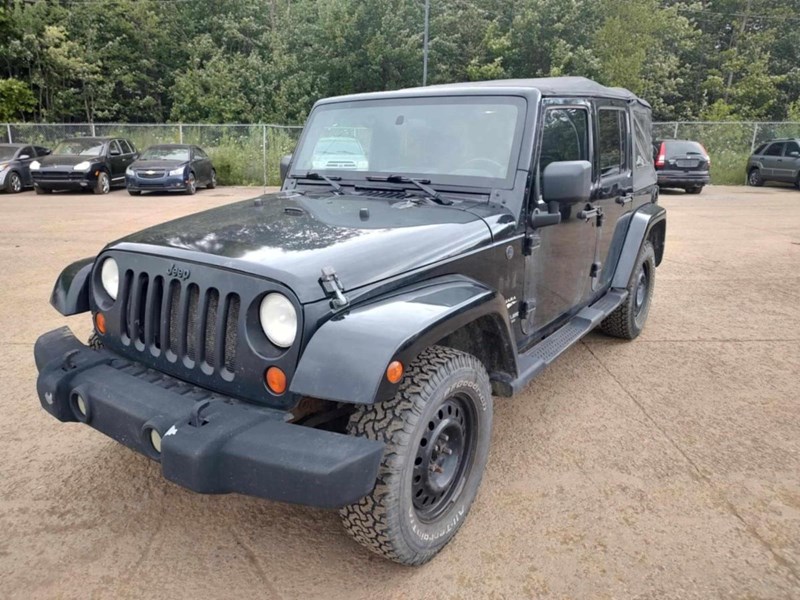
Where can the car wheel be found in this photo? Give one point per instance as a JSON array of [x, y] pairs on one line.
[[797, 182], [14, 183], [134, 192], [628, 320], [212, 183], [754, 178], [103, 184], [437, 430], [694, 190], [41, 191], [191, 184]]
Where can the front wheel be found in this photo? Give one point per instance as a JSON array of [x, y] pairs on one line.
[[628, 320], [14, 183], [754, 178], [191, 184], [103, 184], [437, 430]]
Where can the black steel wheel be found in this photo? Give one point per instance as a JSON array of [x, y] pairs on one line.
[[628, 320], [437, 431], [14, 183]]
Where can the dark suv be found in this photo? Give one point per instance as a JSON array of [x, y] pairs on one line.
[[339, 343], [91, 163], [778, 160], [682, 164]]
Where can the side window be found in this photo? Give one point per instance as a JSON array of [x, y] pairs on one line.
[[29, 151], [612, 130], [113, 148], [565, 135], [791, 147], [199, 153], [40, 151], [760, 149], [641, 131], [774, 150], [126, 149]]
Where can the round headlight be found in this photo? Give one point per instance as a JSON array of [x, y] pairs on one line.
[[278, 319], [109, 277]]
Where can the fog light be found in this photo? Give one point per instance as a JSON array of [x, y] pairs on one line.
[[155, 439], [81, 403]]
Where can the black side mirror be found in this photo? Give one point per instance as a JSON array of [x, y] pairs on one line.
[[567, 181], [285, 162]]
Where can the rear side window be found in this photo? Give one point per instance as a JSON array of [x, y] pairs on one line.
[[27, 150], [612, 132], [199, 153], [791, 147], [42, 151], [641, 137], [774, 150], [565, 135], [683, 147], [126, 149], [760, 149]]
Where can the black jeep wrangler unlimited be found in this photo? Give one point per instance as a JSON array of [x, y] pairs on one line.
[[338, 343]]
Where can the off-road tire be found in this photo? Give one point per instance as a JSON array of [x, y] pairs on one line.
[[386, 521], [94, 342], [41, 191], [754, 178], [103, 184], [628, 320]]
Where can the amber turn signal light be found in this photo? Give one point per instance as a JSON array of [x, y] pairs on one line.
[[100, 323], [276, 380], [394, 372]]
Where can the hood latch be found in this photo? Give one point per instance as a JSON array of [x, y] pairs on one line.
[[333, 288]]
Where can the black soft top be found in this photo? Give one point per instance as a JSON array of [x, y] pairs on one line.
[[536, 87]]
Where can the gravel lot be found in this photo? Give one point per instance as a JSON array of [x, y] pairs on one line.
[[666, 467]]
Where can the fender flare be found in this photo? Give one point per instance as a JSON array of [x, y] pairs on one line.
[[641, 224], [71, 292], [346, 359]]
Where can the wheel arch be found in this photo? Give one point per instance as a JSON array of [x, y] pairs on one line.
[[443, 311], [71, 291], [649, 222]]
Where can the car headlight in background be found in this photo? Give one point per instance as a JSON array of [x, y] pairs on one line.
[[178, 171], [109, 277], [3, 166], [129, 172], [34, 166], [82, 166], [278, 319]]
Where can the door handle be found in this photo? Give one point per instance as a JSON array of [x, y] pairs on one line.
[[623, 200]]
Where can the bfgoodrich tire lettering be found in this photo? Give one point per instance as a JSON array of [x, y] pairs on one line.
[[388, 521]]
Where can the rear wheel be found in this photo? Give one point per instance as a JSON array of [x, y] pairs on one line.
[[134, 193], [14, 183], [212, 183], [437, 430], [628, 320], [754, 178], [103, 184]]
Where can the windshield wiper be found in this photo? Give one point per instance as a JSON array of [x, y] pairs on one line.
[[313, 175], [420, 183]]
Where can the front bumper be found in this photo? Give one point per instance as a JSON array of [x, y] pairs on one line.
[[209, 443], [77, 180], [168, 183]]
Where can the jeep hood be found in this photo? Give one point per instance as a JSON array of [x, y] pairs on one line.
[[289, 238]]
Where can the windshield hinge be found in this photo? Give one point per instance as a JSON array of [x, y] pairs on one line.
[[333, 288]]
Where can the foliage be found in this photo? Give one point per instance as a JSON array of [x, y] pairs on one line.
[[16, 99]]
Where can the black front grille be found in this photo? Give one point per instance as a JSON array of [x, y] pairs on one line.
[[151, 173], [195, 326]]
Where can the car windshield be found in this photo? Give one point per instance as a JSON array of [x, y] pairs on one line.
[[7, 152], [165, 153], [80, 148], [441, 139]]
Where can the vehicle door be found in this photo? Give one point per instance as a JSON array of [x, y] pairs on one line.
[[25, 157], [559, 257], [116, 162], [203, 165], [773, 156], [128, 153], [790, 164], [615, 191]]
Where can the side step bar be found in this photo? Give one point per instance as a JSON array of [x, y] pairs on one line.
[[533, 362]]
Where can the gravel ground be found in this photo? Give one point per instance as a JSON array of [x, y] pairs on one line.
[[664, 468]]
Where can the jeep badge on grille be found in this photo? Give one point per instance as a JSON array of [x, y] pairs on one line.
[[178, 272]]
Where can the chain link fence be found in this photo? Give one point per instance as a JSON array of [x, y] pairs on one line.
[[250, 154]]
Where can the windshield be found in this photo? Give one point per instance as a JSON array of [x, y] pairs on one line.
[[436, 138], [165, 153], [80, 148], [7, 152]]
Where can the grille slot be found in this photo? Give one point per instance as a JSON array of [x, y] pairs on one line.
[[184, 321]]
